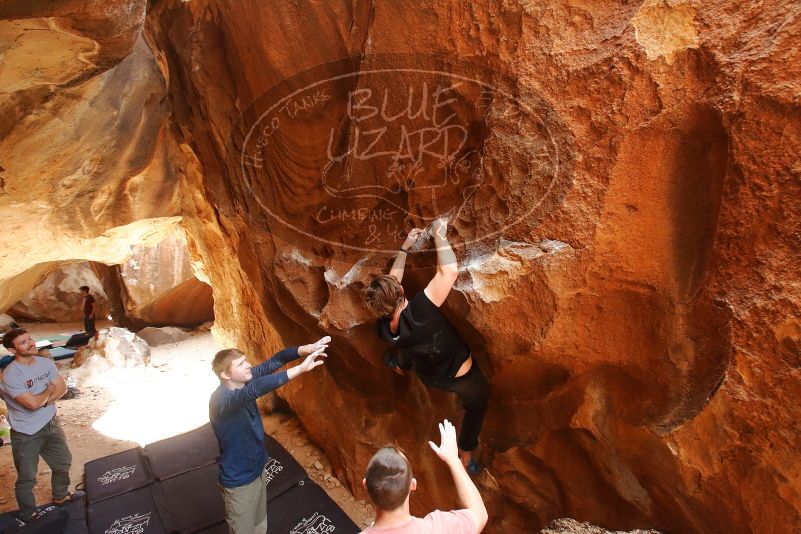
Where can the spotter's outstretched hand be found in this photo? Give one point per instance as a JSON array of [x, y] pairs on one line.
[[321, 343], [311, 360], [447, 450]]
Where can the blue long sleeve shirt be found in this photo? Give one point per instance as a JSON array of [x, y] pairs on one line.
[[237, 423]]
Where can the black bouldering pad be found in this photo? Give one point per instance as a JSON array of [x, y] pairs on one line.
[[9, 522], [59, 353], [182, 453], [307, 509], [193, 499], [283, 471], [76, 511], [47, 520], [139, 511], [219, 528], [79, 340], [116, 474], [123, 497], [69, 518]]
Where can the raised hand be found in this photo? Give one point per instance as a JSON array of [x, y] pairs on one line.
[[311, 360], [321, 343], [447, 450], [411, 239]]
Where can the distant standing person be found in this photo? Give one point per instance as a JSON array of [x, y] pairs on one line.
[[427, 341], [389, 483], [239, 430], [88, 305], [31, 386]]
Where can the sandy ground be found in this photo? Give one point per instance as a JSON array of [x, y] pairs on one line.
[[120, 408]]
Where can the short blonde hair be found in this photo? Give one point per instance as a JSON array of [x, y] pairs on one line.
[[223, 359]]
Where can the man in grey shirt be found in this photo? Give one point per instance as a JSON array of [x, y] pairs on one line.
[[32, 385]]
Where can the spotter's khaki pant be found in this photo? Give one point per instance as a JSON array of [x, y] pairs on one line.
[[246, 506]]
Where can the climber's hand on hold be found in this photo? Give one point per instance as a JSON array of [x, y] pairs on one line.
[[411, 239]]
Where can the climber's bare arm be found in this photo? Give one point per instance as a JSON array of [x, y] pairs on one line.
[[400, 260], [440, 286]]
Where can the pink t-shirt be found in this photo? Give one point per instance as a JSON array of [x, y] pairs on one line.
[[454, 522]]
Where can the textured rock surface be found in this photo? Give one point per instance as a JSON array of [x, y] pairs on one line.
[[161, 336], [117, 346], [85, 166], [570, 526], [58, 298], [5, 322], [639, 321], [161, 287], [639, 333]]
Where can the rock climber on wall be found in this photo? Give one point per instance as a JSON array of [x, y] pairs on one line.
[[427, 341]]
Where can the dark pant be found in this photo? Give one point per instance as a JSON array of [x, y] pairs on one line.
[[473, 390], [88, 325], [51, 444]]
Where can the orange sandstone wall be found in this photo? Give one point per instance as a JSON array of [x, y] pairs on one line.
[[624, 200], [640, 329], [85, 150]]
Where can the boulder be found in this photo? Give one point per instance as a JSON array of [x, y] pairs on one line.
[[571, 526], [6, 322], [161, 287], [85, 170], [205, 327], [89, 369], [57, 299], [118, 346], [162, 336]]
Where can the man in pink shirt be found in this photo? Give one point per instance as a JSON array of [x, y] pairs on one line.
[[389, 482]]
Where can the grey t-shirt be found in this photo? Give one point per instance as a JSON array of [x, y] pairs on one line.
[[19, 379]]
